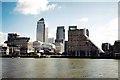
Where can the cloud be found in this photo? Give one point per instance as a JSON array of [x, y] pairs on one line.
[[111, 30], [33, 7], [52, 33], [84, 19], [59, 7], [106, 33], [2, 37], [1, 33]]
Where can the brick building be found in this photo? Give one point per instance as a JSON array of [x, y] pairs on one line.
[[79, 43]]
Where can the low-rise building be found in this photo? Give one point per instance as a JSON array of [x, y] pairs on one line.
[[108, 49], [66, 47], [51, 40], [116, 48], [30, 47], [4, 50], [59, 47], [17, 44], [37, 45], [46, 48]]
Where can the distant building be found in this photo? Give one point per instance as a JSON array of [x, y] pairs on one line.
[[37, 45], [111, 50], [51, 40], [66, 47], [79, 43], [116, 48], [42, 31], [3, 50], [30, 47], [59, 47], [60, 39], [44, 47], [48, 48], [60, 34], [107, 48], [17, 43]]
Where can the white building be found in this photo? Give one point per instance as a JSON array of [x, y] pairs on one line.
[[30, 47], [40, 46], [4, 49], [37, 45], [51, 40], [59, 47]]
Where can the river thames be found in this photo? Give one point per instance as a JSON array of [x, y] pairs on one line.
[[59, 68]]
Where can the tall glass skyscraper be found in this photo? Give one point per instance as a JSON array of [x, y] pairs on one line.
[[60, 34], [60, 39], [42, 31]]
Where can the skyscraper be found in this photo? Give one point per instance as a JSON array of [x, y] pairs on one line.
[[60, 39], [60, 34], [42, 31]]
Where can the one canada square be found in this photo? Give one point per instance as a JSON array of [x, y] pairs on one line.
[[42, 31]]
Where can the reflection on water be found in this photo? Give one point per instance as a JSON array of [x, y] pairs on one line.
[[59, 68]]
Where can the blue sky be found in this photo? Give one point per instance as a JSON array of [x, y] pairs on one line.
[[99, 17]]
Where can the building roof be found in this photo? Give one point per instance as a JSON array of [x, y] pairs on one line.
[[72, 27], [117, 41], [60, 27], [100, 50], [42, 19]]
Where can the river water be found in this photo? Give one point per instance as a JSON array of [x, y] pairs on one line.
[[59, 68]]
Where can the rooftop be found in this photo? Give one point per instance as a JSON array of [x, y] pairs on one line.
[[42, 19]]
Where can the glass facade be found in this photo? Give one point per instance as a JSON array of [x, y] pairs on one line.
[[60, 35], [42, 31]]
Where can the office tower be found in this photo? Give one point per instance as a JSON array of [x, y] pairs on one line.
[[79, 43], [42, 31], [60, 34], [60, 39]]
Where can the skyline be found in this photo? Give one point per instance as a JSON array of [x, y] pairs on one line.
[[102, 16]]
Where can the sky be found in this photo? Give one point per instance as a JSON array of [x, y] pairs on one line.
[[101, 18]]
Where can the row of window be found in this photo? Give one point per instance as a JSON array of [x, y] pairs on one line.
[[75, 35], [83, 51], [76, 39]]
